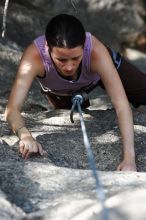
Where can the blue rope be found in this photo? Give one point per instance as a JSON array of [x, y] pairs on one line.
[[77, 101]]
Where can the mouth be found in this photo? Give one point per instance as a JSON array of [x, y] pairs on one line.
[[69, 73]]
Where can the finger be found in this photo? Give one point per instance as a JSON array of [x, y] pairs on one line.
[[119, 168], [40, 149], [27, 155], [27, 149], [21, 146], [35, 148]]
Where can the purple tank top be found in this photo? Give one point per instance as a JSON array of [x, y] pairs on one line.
[[53, 82]]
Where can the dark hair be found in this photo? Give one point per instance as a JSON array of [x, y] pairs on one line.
[[65, 31]]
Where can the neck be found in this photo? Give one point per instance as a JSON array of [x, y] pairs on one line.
[[74, 77]]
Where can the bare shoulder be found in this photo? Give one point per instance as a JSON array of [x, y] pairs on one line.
[[98, 47], [31, 58], [95, 41], [30, 66], [98, 54]]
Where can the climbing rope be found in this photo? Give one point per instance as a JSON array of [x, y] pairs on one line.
[[74, 5], [77, 101], [4, 18]]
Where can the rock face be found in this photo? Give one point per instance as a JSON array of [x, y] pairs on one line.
[[60, 185], [113, 21]]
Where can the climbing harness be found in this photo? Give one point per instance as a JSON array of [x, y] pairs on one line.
[[77, 101]]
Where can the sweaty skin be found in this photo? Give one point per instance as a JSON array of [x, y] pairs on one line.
[[67, 62]]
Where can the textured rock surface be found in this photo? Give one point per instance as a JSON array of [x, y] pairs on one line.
[[59, 185], [110, 20]]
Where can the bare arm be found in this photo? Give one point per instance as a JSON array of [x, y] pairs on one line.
[[102, 63], [30, 66]]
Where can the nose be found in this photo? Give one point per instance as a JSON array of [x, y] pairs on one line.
[[69, 66]]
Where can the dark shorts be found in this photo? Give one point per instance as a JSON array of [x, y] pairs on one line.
[[62, 102], [134, 82]]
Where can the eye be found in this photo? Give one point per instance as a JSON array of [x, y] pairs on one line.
[[75, 58], [62, 60]]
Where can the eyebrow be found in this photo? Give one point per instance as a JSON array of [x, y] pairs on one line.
[[60, 58]]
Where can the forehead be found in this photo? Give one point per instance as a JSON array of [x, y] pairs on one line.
[[67, 52]]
